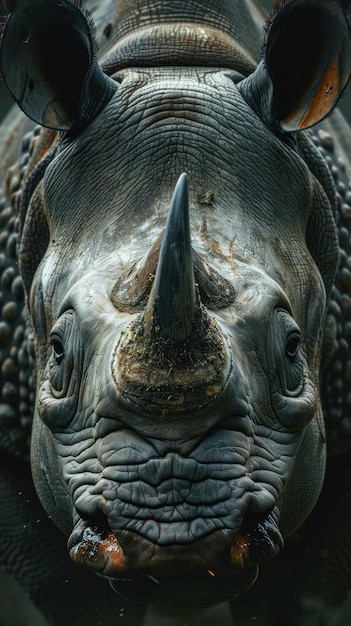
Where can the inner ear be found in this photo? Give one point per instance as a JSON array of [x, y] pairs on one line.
[[47, 56], [308, 57], [61, 57]]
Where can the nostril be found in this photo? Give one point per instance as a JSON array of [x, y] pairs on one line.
[[262, 533], [98, 524], [94, 545]]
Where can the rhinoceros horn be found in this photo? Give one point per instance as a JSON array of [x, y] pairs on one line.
[[174, 353], [173, 302]]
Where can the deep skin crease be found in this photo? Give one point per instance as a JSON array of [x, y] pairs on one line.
[[155, 127], [177, 451]]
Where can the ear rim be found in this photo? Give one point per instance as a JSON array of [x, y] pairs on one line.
[[46, 99], [325, 89]]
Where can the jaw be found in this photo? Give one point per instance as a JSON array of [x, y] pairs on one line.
[[187, 592], [216, 568]]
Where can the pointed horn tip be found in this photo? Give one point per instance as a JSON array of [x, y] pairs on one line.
[[182, 186], [183, 178]]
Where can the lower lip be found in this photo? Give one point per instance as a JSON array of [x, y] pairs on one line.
[[185, 592]]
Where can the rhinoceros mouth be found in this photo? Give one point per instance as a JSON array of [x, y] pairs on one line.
[[221, 565], [187, 592]]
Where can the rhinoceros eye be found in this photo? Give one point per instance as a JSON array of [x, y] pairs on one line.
[[63, 350], [291, 388], [57, 349], [292, 345], [285, 353], [59, 393]]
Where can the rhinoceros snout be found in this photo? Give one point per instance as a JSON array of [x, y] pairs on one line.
[[161, 515]]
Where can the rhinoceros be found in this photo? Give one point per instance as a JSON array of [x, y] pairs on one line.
[[175, 308]]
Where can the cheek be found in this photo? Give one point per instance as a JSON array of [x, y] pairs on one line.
[[47, 477], [305, 482]]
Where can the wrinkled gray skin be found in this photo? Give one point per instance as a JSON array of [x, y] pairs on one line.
[[178, 436]]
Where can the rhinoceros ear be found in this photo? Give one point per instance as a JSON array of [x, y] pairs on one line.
[[48, 63], [306, 63]]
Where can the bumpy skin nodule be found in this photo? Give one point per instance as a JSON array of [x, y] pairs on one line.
[[336, 368], [175, 451], [16, 340]]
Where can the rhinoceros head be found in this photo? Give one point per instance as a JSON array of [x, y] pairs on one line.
[[177, 246]]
